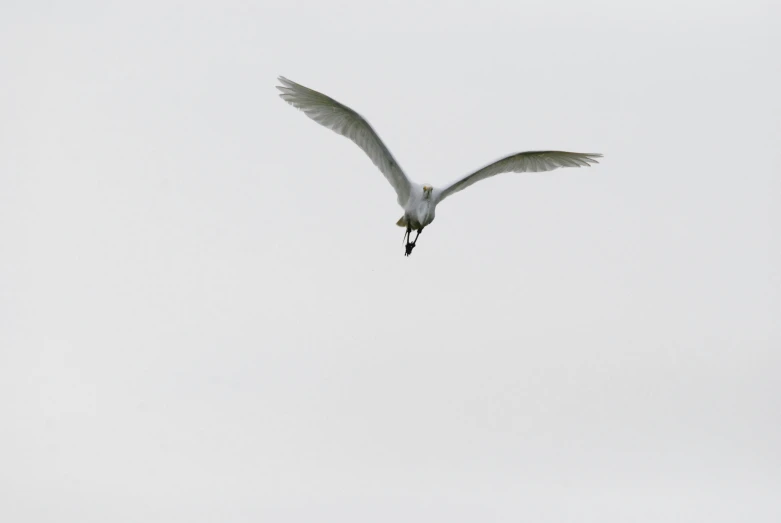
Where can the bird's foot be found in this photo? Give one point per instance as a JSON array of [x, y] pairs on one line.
[[409, 248]]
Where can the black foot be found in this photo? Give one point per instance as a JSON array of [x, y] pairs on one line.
[[409, 248]]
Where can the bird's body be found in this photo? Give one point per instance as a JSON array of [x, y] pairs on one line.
[[419, 209], [418, 201]]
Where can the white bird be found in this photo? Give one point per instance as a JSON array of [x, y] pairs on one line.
[[418, 201]]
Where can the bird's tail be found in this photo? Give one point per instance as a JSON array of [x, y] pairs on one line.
[[402, 222]]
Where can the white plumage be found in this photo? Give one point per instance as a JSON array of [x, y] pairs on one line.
[[418, 201]]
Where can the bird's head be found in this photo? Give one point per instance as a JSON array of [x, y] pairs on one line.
[[427, 191]]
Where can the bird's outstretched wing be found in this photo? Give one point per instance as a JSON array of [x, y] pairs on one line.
[[532, 161], [343, 120]]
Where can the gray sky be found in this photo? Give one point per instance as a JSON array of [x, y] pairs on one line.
[[206, 314]]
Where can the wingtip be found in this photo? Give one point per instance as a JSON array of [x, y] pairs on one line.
[[592, 157], [286, 88], [284, 81]]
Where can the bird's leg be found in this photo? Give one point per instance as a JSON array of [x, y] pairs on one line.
[[418, 234], [408, 246], [411, 245]]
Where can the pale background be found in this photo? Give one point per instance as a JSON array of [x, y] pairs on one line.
[[206, 314]]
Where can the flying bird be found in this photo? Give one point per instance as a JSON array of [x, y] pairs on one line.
[[418, 201]]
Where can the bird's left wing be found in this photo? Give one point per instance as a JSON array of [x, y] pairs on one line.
[[532, 161], [343, 120]]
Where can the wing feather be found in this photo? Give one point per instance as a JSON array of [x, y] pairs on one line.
[[531, 161], [343, 120]]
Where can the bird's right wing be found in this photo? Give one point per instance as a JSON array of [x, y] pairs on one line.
[[532, 161], [343, 120]]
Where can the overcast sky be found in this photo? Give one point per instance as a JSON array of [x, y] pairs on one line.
[[206, 314]]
